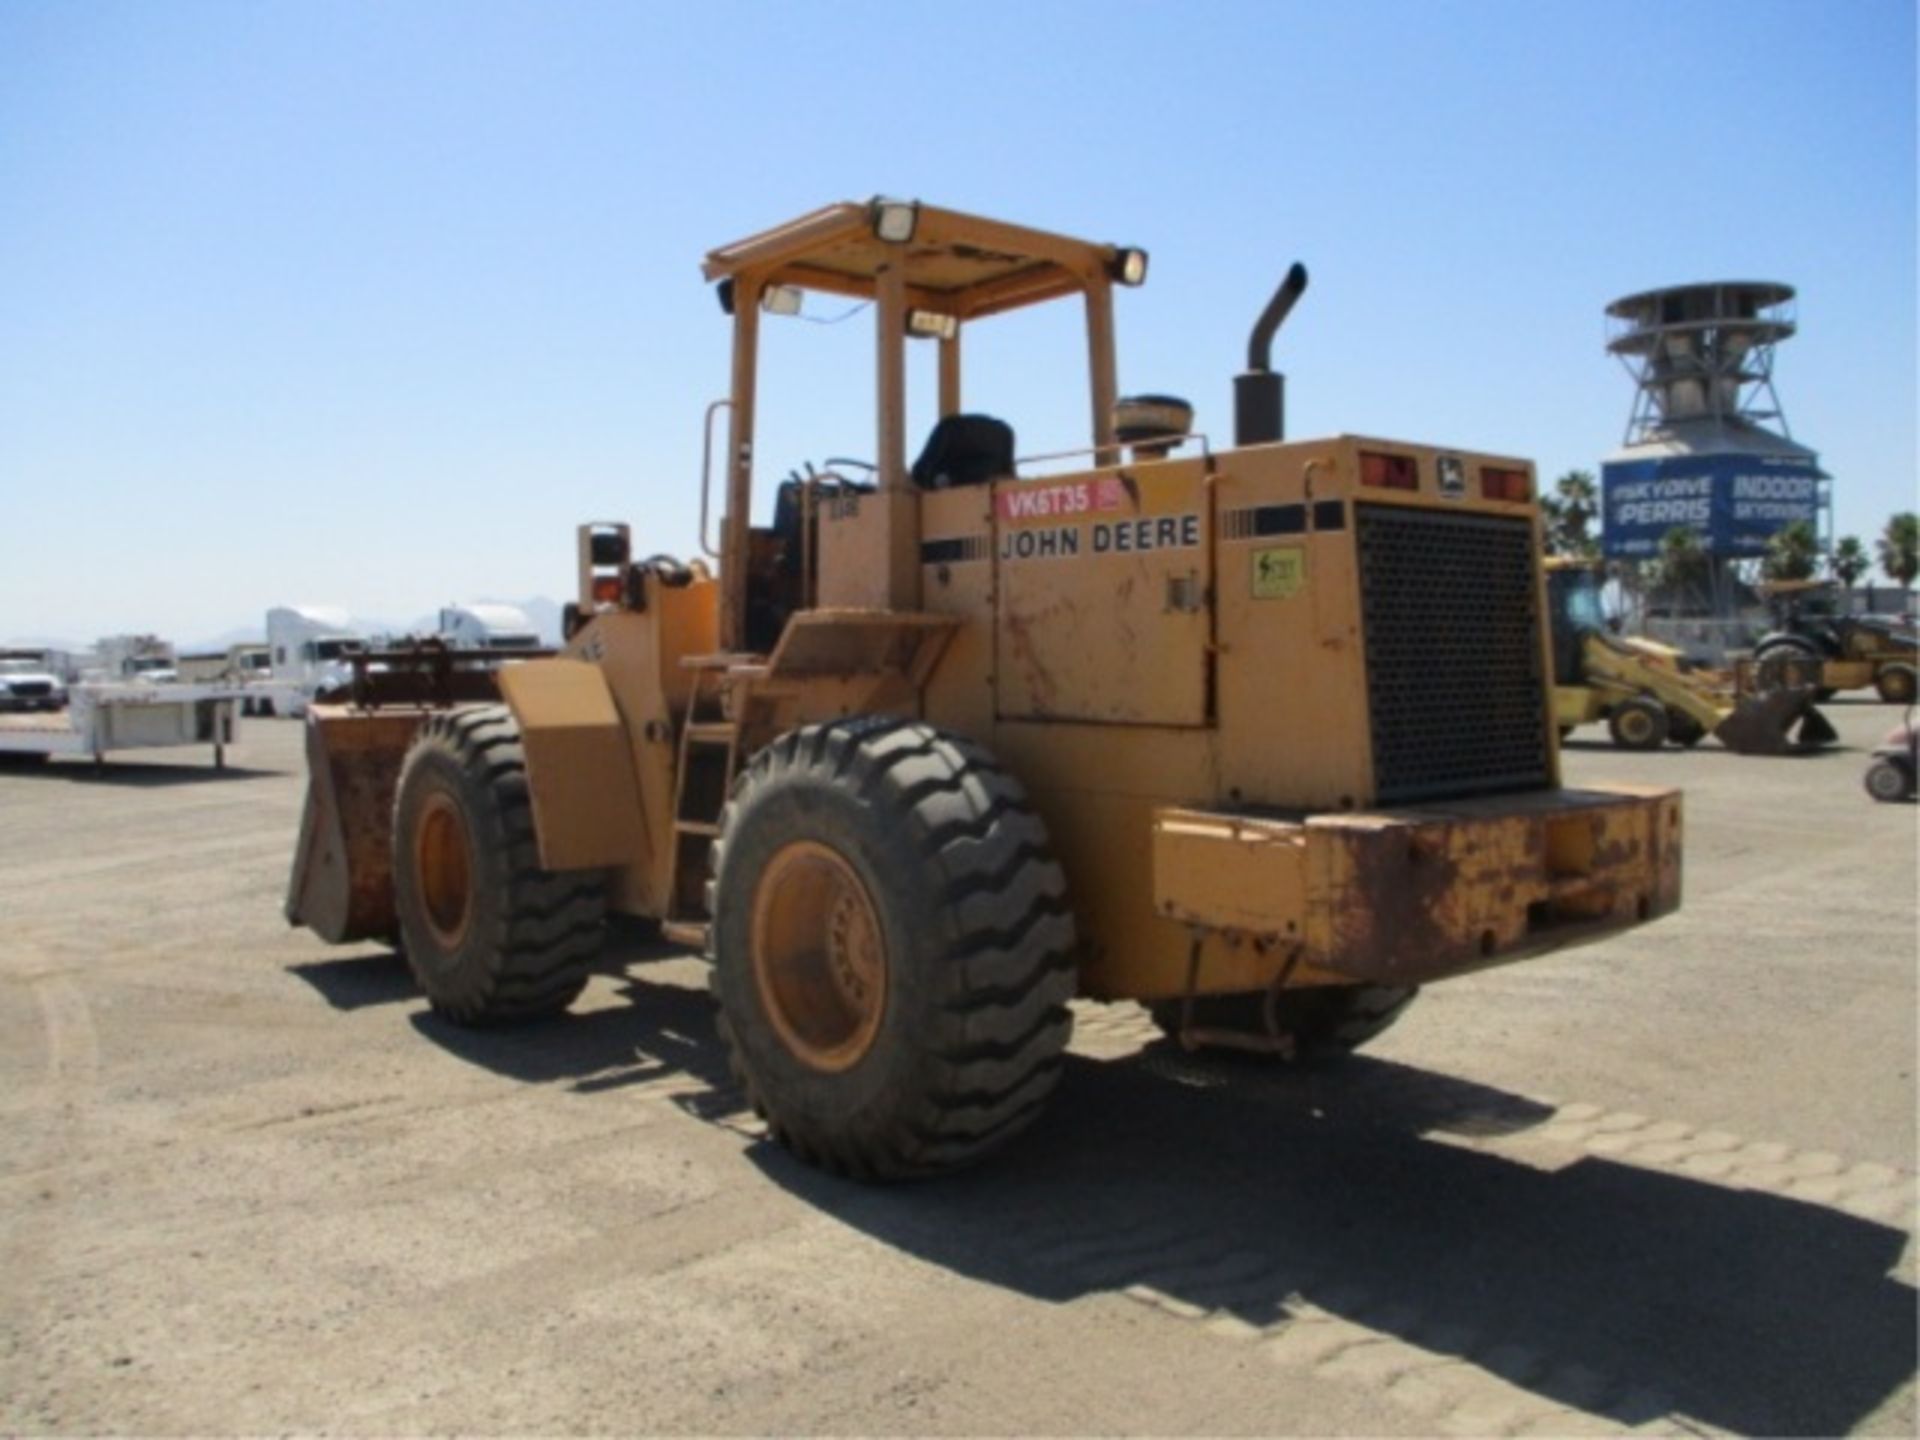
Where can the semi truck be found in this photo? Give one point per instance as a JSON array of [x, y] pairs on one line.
[[310, 648], [486, 626], [145, 658]]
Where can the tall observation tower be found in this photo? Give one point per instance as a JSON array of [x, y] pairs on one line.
[[1707, 447]]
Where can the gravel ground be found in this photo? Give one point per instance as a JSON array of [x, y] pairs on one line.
[[249, 1183]]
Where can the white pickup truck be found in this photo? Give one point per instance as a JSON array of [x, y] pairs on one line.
[[28, 685]]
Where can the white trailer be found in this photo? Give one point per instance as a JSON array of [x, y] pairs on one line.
[[487, 627], [104, 716], [310, 646]]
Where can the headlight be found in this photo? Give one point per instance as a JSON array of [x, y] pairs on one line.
[[931, 325], [1130, 266], [894, 221]]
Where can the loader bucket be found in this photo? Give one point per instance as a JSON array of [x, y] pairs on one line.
[[342, 882], [1775, 722]]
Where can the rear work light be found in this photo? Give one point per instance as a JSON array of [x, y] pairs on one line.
[[1497, 483], [1389, 472], [606, 589]]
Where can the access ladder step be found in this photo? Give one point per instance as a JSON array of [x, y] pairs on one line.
[[690, 933], [707, 828], [712, 732]]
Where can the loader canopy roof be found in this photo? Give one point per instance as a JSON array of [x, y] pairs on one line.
[[958, 265]]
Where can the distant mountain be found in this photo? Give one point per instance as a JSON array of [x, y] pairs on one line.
[[544, 613], [244, 635], [41, 642]]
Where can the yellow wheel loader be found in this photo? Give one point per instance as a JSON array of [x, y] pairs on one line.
[[1816, 639], [1260, 736], [1649, 694]]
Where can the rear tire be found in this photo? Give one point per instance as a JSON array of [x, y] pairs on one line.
[[893, 948], [1326, 1022], [1774, 666], [1895, 683], [489, 935], [1638, 724]]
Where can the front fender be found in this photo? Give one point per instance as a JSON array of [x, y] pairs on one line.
[[580, 772]]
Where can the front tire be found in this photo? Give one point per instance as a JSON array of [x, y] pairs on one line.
[[489, 935], [1638, 724], [893, 948]]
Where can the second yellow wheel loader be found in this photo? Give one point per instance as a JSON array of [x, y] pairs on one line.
[[1649, 694], [1260, 736]]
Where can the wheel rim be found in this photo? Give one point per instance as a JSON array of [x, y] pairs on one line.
[[443, 861], [819, 959], [1636, 726], [1899, 685]]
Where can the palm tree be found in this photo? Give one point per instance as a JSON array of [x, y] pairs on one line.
[[1570, 511], [1850, 561], [1792, 553], [1899, 547], [1683, 564]]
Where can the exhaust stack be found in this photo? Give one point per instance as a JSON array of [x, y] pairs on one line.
[[1259, 394]]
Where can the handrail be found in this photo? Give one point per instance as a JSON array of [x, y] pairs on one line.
[[1206, 449], [706, 472]]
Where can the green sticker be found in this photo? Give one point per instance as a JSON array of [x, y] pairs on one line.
[[1279, 573]]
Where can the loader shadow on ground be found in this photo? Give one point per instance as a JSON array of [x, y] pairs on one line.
[[1608, 1288], [380, 976], [656, 1031], [133, 774], [1705, 747], [353, 982]]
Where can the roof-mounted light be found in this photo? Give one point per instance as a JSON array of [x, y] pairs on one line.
[[932, 325], [894, 221], [1129, 266], [781, 299]]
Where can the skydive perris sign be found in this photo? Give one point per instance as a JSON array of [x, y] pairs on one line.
[[1734, 503]]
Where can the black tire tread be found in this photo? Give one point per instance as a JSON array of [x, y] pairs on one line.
[[1005, 922], [1895, 684], [551, 924]]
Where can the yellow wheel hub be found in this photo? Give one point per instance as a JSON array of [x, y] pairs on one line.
[[443, 861], [819, 959]]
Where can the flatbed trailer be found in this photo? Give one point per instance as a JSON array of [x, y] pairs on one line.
[[101, 718]]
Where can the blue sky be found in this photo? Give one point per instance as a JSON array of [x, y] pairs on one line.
[[369, 304]]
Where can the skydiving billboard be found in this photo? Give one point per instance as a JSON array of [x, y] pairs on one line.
[[1735, 503]]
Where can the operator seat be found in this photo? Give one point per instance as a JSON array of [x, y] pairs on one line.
[[965, 450]]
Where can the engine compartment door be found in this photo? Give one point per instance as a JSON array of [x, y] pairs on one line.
[[1103, 596]]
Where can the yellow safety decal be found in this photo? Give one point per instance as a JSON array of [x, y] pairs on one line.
[[1280, 572]]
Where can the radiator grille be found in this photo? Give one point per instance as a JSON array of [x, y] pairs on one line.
[[1454, 680]]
